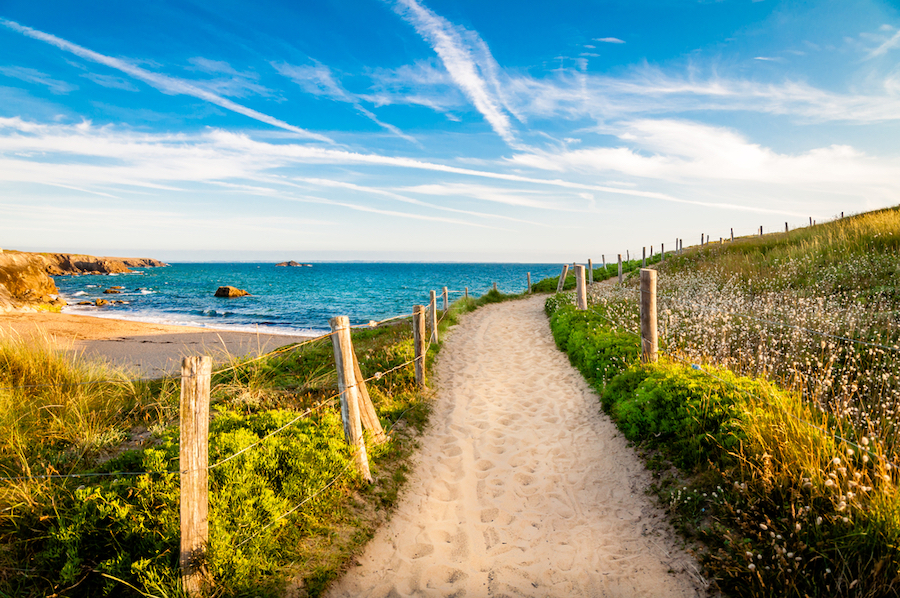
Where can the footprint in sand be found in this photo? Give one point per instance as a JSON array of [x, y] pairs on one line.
[[523, 488]]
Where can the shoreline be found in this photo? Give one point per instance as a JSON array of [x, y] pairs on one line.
[[146, 349]]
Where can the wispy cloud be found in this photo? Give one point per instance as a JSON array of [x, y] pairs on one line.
[[110, 81], [467, 60], [889, 44], [318, 80], [164, 83], [609, 40], [38, 78]]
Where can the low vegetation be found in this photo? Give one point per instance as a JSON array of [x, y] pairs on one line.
[[288, 513], [769, 419]]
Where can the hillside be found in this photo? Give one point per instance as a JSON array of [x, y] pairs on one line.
[[771, 416]]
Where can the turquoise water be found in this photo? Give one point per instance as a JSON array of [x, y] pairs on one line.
[[286, 300]]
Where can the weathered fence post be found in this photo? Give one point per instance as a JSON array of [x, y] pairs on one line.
[[467, 293], [662, 251], [495, 286], [760, 231], [649, 338], [732, 234], [580, 289], [810, 220], [367, 412], [702, 237], [432, 316], [446, 302], [620, 268], [590, 271], [419, 343], [786, 226], [644, 259], [193, 464], [528, 278], [604, 261], [627, 255], [562, 279], [347, 385]]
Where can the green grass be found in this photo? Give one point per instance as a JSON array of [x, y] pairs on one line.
[[781, 507], [118, 535], [549, 285]]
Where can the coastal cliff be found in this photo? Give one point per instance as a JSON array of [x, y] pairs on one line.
[[25, 283]]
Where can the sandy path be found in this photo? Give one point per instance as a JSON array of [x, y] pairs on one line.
[[522, 487]]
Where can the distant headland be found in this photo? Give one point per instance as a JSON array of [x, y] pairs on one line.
[[25, 277]]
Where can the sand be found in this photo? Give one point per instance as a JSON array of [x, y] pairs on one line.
[[522, 486], [147, 350]]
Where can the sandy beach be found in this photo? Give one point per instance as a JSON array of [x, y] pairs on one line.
[[149, 350], [523, 487]]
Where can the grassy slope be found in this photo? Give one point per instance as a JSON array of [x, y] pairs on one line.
[[790, 495], [119, 534]]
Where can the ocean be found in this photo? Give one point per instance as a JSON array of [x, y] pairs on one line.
[[286, 300]]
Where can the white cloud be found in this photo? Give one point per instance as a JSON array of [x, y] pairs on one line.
[[467, 60], [609, 40], [684, 152], [110, 81], [889, 44], [37, 77], [318, 80], [164, 83]]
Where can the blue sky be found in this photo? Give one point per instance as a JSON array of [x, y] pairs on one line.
[[436, 130]]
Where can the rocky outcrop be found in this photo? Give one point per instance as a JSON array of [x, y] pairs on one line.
[[24, 283], [293, 264], [59, 264], [230, 292]]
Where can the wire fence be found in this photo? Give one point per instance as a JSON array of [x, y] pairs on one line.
[[329, 402]]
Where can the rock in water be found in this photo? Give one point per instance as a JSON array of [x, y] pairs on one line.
[[230, 292]]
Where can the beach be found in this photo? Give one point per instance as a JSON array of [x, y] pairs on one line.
[[146, 349]]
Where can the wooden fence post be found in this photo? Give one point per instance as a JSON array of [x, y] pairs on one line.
[[786, 226], [528, 278], [662, 251], [467, 293], [432, 316], [701, 239], [495, 286], [649, 338], [590, 271], [419, 343], [732, 234], [760, 231], [810, 220], [644, 259], [193, 464], [350, 411], [562, 279], [580, 289], [627, 255], [446, 302], [604, 261], [620, 268], [367, 412]]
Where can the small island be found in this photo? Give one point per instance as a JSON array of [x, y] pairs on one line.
[[293, 264]]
